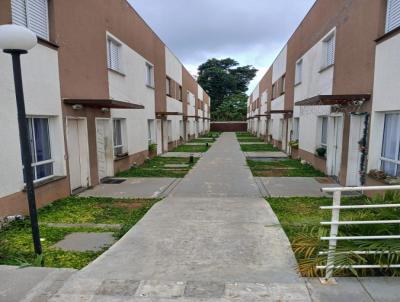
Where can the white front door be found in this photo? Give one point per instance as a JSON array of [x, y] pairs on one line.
[[354, 155], [104, 148], [78, 153]]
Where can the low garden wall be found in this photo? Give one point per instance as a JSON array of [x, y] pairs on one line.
[[229, 126]]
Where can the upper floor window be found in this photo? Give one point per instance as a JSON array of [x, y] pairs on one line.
[[273, 91], [180, 93], [149, 75], [283, 83], [392, 15], [33, 14], [114, 55], [299, 72], [296, 124], [329, 51], [168, 86]]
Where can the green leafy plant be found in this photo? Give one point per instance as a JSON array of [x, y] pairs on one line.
[[321, 151], [152, 148], [294, 144]]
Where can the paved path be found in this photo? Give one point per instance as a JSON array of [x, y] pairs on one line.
[[213, 239]]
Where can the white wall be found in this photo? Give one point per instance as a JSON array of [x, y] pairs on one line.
[[173, 66], [277, 104], [42, 98], [132, 88], [279, 65], [200, 92], [174, 106], [313, 83], [386, 96]]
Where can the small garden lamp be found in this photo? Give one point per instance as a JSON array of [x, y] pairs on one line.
[[17, 40]]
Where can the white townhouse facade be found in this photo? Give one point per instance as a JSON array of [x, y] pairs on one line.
[[96, 99], [333, 91]]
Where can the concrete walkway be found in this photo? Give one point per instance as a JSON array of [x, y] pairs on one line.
[[213, 239]]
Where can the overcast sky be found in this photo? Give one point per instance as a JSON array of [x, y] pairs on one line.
[[250, 31]]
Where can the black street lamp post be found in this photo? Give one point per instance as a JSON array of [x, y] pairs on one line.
[[17, 40]]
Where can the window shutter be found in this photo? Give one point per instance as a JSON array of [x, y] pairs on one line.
[[113, 55], [18, 8], [38, 17], [393, 15], [330, 51]]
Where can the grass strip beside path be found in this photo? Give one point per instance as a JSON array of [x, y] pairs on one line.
[[283, 168], [191, 148], [156, 167], [258, 147]]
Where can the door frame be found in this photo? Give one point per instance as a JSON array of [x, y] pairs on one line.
[[83, 150], [354, 159], [334, 148], [110, 157]]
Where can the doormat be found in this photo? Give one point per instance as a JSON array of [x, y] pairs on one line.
[[112, 181]]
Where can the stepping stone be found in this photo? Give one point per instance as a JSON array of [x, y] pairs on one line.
[[176, 165], [83, 225], [83, 242], [252, 143], [198, 144], [182, 154]]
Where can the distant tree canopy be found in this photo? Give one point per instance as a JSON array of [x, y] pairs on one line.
[[225, 81]]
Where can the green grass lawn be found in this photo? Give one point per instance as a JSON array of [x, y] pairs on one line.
[[156, 168], [16, 239], [212, 134], [244, 134], [191, 148], [301, 216], [283, 168], [258, 147], [203, 141]]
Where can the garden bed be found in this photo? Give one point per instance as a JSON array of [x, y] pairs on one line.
[[283, 168], [300, 217], [16, 246], [158, 167]]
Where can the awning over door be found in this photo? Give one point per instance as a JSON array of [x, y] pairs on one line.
[[329, 100], [103, 103]]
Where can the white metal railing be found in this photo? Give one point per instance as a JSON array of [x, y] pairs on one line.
[[335, 223]]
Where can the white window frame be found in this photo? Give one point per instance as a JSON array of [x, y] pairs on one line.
[[322, 120], [149, 75], [123, 145], [115, 64], [168, 86], [35, 163], [299, 72], [26, 13], [392, 15], [385, 159], [328, 61]]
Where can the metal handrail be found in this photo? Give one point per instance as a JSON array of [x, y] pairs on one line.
[[335, 222]]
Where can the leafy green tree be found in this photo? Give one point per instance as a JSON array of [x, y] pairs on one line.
[[232, 108], [224, 78]]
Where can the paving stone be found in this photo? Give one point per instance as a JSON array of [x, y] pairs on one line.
[[83, 225], [273, 154], [248, 291], [118, 288], [160, 289], [82, 242], [199, 289]]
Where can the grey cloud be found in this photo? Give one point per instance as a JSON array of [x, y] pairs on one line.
[[249, 30]]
